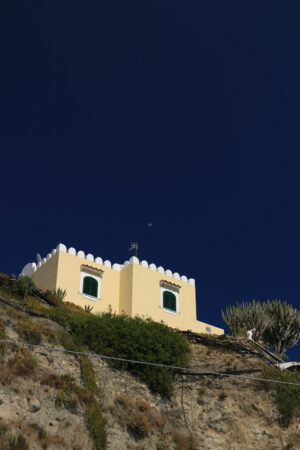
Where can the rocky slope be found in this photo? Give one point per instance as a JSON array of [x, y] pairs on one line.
[[205, 411]]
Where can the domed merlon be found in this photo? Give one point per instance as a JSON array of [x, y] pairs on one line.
[[61, 248], [107, 263]]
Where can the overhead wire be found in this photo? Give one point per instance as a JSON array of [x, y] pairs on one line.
[[133, 361]]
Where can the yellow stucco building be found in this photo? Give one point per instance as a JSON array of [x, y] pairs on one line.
[[135, 288]]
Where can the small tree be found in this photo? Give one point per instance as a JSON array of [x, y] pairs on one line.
[[246, 316], [284, 329]]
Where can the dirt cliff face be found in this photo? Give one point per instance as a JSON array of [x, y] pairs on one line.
[[205, 411]]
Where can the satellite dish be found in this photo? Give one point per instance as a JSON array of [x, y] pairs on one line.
[[38, 258]]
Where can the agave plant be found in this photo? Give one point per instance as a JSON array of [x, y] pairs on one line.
[[60, 294]]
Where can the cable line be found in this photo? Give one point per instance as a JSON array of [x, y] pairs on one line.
[[165, 366]]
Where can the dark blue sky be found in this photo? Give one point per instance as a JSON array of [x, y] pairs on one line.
[[186, 115]]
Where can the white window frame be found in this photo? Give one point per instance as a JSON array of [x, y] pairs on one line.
[[87, 273], [173, 291]]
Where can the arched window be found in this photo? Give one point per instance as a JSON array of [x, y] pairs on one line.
[[169, 301], [90, 286]]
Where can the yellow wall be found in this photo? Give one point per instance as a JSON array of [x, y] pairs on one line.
[[146, 301], [45, 277], [69, 278], [126, 291], [134, 290]]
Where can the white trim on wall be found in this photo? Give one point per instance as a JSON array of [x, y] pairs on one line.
[[173, 291], [86, 272]]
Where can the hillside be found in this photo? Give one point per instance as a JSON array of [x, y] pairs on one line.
[[49, 400]]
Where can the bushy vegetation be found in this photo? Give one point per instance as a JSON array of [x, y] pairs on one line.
[[20, 287], [135, 339], [287, 397], [276, 322], [112, 335]]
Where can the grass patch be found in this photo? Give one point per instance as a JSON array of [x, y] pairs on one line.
[[23, 363], [67, 390], [184, 442], [137, 416], [88, 374], [18, 443], [96, 425], [32, 332], [2, 336]]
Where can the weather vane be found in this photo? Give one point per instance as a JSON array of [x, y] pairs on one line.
[[134, 246]]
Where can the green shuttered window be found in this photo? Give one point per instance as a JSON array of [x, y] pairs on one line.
[[169, 301], [90, 286]]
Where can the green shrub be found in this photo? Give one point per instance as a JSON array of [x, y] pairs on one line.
[[19, 288], [135, 339], [96, 424], [287, 397]]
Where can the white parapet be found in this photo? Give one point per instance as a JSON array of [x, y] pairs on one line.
[[61, 248], [134, 260], [107, 263], [32, 267], [28, 270]]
